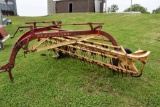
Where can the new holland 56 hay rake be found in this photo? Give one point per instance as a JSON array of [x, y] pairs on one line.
[[93, 46]]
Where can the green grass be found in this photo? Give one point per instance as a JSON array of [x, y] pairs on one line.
[[43, 81]]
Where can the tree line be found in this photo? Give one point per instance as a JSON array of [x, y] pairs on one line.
[[134, 8]]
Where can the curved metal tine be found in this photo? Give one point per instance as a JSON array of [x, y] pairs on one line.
[[104, 60], [70, 49], [77, 53], [81, 53], [119, 72], [101, 60], [93, 55], [139, 74], [112, 65], [90, 57], [122, 73], [126, 73], [113, 71], [84, 53], [127, 67]]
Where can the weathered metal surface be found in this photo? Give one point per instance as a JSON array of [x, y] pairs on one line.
[[3, 36], [3, 32]]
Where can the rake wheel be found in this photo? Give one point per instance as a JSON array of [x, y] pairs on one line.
[[115, 61]]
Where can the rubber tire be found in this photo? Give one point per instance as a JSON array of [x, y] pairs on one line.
[[115, 61], [1, 46]]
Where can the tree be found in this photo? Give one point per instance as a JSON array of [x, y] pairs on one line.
[[156, 10], [136, 8], [113, 8]]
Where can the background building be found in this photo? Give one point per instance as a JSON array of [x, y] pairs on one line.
[[8, 8], [0, 18], [73, 6]]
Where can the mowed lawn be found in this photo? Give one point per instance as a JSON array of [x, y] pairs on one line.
[[46, 82]]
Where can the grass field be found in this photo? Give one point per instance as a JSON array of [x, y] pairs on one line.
[[46, 82]]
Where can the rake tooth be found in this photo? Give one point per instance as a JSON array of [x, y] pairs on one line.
[[126, 71], [84, 53], [99, 67], [93, 55], [101, 58], [76, 59], [126, 75], [83, 62], [81, 52], [119, 73], [104, 67], [80, 60], [43, 54], [122, 73], [113, 72], [104, 58], [92, 65]]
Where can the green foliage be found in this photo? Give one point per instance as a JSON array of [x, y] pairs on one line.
[[113, 8], [47, 82], [136, 8], [156, 11]]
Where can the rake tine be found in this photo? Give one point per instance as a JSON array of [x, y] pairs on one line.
[[126, 75], [119, 72], [122, 73]]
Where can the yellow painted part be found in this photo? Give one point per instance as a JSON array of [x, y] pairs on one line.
[[65, 43]]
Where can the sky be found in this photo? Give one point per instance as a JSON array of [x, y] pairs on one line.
[[123, 4], [31, 7], [39, 7]]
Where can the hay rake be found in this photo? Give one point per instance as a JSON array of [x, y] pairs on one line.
[[93, 46]]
